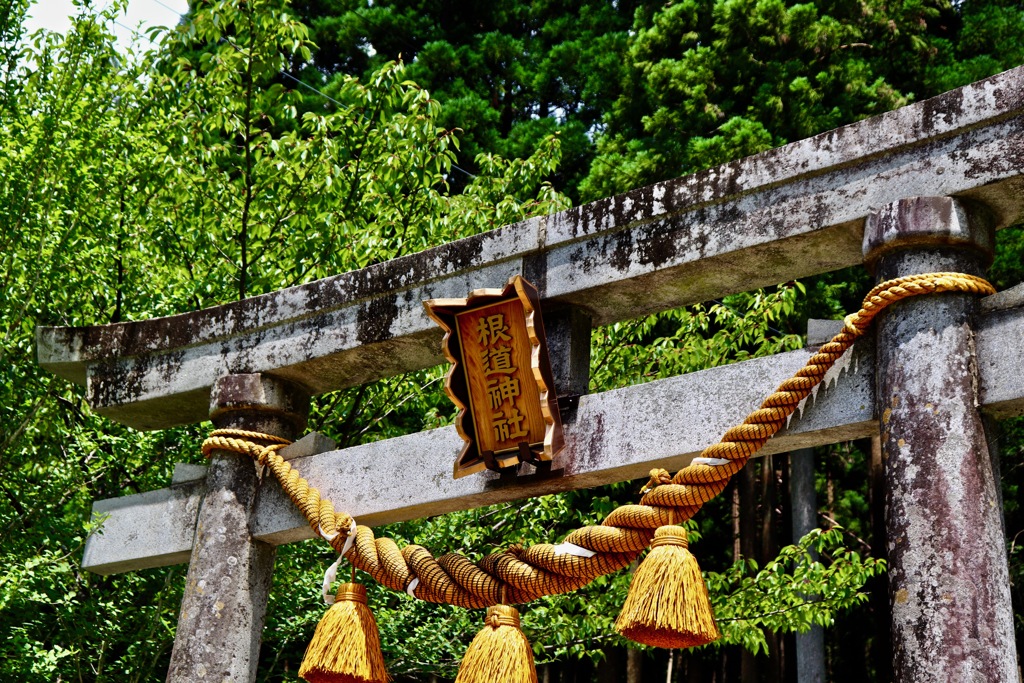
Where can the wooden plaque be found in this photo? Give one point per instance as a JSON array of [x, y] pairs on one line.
[[500, 377]]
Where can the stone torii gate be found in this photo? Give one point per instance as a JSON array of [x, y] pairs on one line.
[[915, 190]]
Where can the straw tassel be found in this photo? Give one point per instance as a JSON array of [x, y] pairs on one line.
[[346, 646], [500, 652], [668, 603]]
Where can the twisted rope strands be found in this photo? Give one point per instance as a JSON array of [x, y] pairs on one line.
[[319, 513], [524, 574], [739, 443]]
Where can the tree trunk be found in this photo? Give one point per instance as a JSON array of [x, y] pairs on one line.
[[810, 646], [748, 511], [769, 551], [747, 485], [881, 611], [737, 550], [608, 671], [634, 666]]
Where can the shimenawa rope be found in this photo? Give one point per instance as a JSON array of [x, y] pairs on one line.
[[524, 574]]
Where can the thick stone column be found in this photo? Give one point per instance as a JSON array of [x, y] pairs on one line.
[[229, 574], [948, 577]]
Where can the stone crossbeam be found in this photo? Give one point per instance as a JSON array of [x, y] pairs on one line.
[[617, 435], [784, 214]]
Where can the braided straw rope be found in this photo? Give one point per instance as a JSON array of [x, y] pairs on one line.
[[524, 574]]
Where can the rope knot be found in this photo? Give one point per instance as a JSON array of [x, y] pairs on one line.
[[670, 535], [659, 477], [502, 615], [244, 443]]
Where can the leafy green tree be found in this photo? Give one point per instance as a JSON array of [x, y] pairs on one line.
[[135, 188], [139, 186], [509, 73], [72, 190], [710, 81], [662, 89], [977, 38], [369, 172]]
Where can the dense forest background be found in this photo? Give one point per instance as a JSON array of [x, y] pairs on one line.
[[264, 144]]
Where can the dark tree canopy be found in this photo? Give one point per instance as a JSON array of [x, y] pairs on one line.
[[709, 81], [643, 91], [509, 73]]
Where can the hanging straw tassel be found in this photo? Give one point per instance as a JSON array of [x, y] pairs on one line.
[[346, 646], [668, 604], [500, 652]]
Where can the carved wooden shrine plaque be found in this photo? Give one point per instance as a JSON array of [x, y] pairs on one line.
[[500, 377]]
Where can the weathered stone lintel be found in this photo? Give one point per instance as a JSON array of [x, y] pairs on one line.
[[787, 213], [144, 530], [157, 528], [616, 435]]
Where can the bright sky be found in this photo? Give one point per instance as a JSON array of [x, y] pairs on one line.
[[53, 15]]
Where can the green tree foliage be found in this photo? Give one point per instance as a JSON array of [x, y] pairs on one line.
[[146, 185], [977, 38], [684, 340], [662, 89], [369, 172], [139, 187], [509, 73], [776, 597], [710, 81]]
